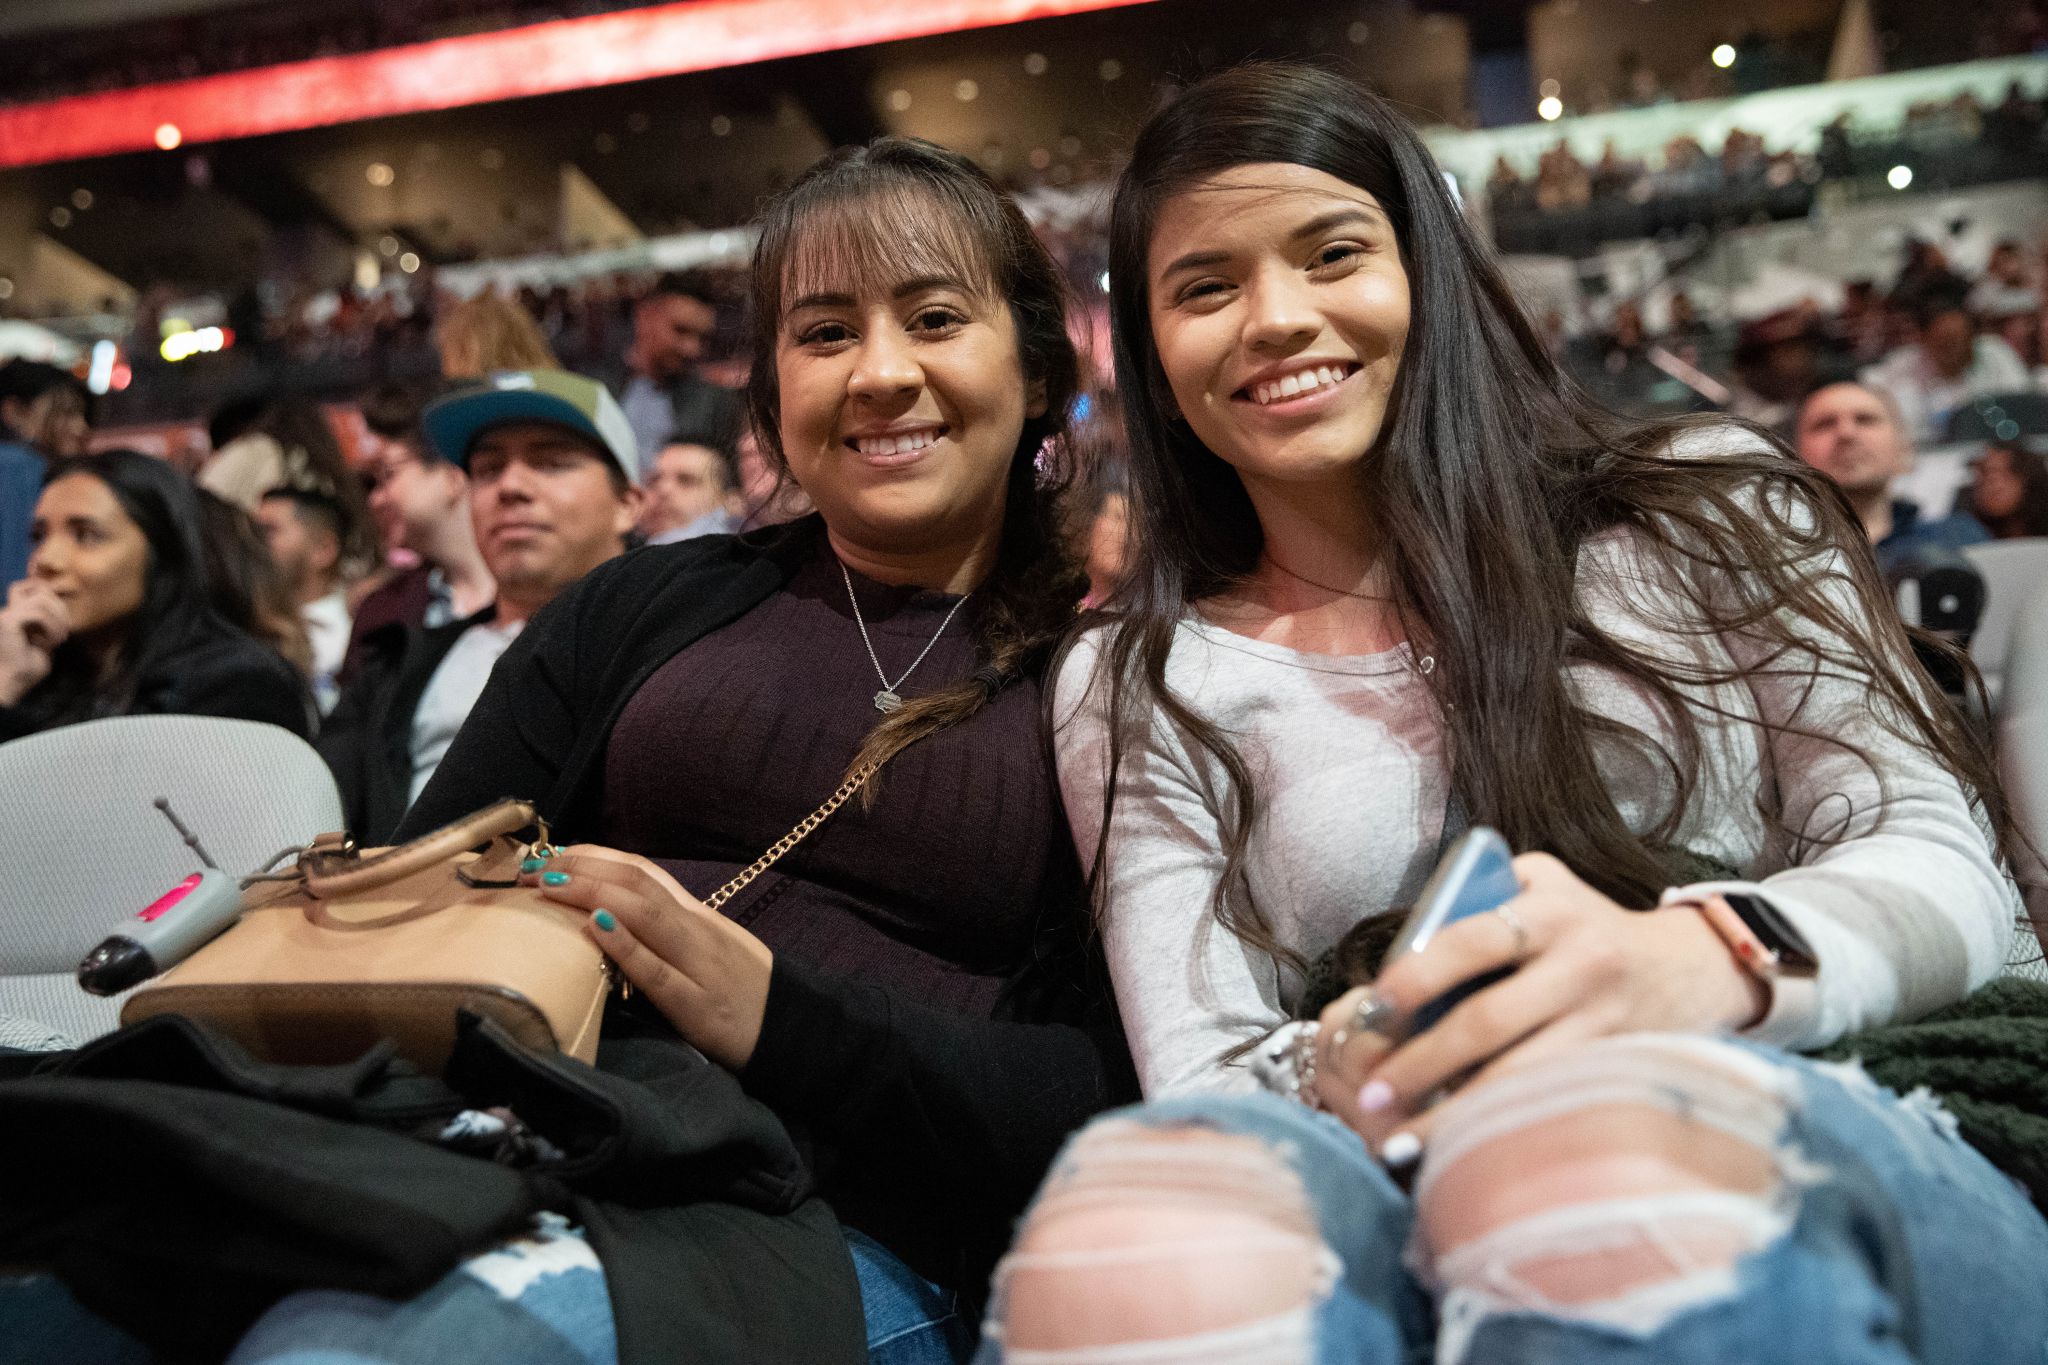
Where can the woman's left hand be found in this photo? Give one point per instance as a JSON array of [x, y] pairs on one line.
[[706, 974], [1584, 968]]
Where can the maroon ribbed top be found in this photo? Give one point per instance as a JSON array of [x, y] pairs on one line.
[[934, 890]]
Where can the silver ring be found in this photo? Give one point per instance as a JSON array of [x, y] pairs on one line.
[[1510, 917], [1371, 1011]]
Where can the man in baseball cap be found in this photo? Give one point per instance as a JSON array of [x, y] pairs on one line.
[[551, 495]]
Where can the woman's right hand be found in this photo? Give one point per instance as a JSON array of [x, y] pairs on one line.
[[32, 624]]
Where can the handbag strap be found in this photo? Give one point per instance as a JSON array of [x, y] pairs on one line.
[[854, 782], [380, 869]]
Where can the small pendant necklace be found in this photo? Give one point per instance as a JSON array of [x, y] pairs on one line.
[[888, 699]]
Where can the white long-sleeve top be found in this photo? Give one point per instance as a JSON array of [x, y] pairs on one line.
[[1903, 900]]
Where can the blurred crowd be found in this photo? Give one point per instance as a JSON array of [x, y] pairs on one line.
[[1562, 182]]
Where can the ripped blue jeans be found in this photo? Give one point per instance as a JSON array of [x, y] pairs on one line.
[[1842, 1224]]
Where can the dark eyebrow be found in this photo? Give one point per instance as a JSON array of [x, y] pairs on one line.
[[1316, 226], [915, 285]]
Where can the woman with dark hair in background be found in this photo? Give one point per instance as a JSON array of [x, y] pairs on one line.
[[116, 616], [1393, 571], [2009, 493]]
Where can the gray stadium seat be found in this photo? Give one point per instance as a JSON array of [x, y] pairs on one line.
[[2014, 572], [2023, 750], [86, 846]]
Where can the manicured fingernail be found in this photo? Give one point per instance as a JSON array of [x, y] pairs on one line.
[[533, 864], [1375, 1096], [1401, 1149], [554, 879], [605, 921]]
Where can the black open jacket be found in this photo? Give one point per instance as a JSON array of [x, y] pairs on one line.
[[946, 1122]]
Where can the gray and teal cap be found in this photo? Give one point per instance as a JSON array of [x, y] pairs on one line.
[[453, 421]]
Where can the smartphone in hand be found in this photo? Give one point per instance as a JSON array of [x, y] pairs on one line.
[[1476, 875]]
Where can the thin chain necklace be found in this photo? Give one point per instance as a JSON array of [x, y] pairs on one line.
[[1341, 592], [888, 699]]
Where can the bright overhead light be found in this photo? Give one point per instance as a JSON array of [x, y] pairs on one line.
[[1035, 64], [1724, 56], [82, 199], [408, 263], [1898, 177], [966, 91], [899, 100], [168, 136], [184, 345], [1550, 108], [379, 174]]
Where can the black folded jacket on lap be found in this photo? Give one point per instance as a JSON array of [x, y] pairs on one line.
[[179, 1188]]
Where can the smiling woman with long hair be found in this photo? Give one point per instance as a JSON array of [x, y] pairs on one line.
[[1393, 572], [116, 617]]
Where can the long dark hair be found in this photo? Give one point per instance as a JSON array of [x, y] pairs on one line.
[[896, 206], [1491, 471], [176, 610]]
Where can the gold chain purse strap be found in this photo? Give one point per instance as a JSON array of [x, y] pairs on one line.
[[852, 784]]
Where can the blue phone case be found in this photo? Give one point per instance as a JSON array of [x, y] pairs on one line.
[[1477, 875]]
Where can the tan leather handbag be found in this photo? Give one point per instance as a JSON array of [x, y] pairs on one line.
[[348, 948]]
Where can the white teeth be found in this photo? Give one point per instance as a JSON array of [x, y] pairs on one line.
[[897, 445], [1292, 385]]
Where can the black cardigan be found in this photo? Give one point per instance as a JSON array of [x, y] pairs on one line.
[[952, 1118], [220, 672]]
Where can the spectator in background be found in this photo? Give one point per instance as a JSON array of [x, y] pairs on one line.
[[693, 491], [42, 417], [2004, 289], [549, 459], [1853, 434], [115, 617], [245, 587], [1945, 367], [288, 443], [488, 333], [1777, 363], [664, 398], [420, 503], [767, 496], [2009, 494], [303, 532]]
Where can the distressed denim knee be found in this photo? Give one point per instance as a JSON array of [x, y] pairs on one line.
[[1188, 1232], [1618, 1184]]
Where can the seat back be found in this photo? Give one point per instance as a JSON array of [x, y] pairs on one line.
[[2022, 739], [2014, 570], [86, 845]]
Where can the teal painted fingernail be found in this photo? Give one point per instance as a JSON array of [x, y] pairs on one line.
[[605, 921], [554, 879], [533, 864]]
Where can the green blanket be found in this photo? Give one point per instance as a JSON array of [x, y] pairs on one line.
[[1986, 1059]]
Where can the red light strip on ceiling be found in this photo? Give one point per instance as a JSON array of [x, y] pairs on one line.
[[540, 59]]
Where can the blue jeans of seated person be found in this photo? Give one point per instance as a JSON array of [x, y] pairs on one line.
[[539, 1300], [1896, 1244]]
